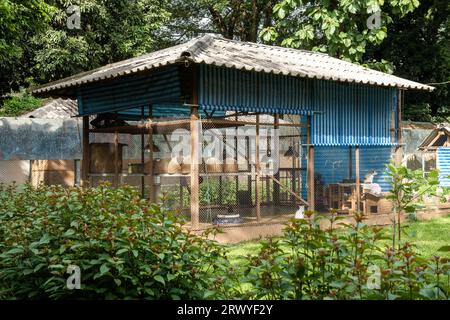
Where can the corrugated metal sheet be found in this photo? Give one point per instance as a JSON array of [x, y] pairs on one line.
[[349, 114], [215, 50], [352, 114], [332, 163], [443, 165], [222, 89], [127, 96], [55, 109]]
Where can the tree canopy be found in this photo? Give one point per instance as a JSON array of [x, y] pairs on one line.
[[410, 38]]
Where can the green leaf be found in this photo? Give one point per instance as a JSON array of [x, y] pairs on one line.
[[120, 251], [160, 279], [281, 13], [104, 268], [444, 249]]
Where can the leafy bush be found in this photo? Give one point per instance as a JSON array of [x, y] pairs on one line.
[[126, 248], [19, 104], [348, 263]]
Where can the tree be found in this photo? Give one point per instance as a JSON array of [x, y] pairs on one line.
[[241, 19], [407, 189], [419, 47], [19, 20], [110, 31], [338, 28]]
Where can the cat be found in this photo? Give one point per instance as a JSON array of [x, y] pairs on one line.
[[368, 178], [300, 213]]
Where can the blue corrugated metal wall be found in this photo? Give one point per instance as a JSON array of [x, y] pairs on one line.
[[443, 165], [350, 114], [222, 89], [332, 164], [161, 89]]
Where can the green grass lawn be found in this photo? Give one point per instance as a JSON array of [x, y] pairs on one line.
[[428, 236]]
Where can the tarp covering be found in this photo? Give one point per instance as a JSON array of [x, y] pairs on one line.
[[40, 139]]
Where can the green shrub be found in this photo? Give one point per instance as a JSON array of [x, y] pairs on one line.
[[19, 104], [126, 248], [311, 263]]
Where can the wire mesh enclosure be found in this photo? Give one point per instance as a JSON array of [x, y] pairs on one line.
[[252, 168]]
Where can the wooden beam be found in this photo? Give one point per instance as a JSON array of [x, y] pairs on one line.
[[358, 181], [86, 153], [258, 173], [276, 181], [194, 142], [310, 172]]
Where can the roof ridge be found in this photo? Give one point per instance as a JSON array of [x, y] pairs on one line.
[[270, 47]]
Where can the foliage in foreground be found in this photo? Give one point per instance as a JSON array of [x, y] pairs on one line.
[[19, 104], [310, 263], [126, 248]]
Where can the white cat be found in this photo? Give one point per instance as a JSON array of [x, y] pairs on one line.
[[300, 213], [368, 178]]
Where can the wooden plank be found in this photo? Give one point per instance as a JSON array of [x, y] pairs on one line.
[[86, 154], [258, 172], [358, 181], [310, 172], [276, 181], [168, 126]]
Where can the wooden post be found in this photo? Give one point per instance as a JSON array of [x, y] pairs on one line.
[[236, 157], [194, 141], [258, 172], [358, 182], [310, 172], [151, 187], [276, 187], [350, 163], [249, 169], [399, 148], [423, 164], [86, 153], [142, 158], [116, 158]]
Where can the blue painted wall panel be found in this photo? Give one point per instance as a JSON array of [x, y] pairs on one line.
[[126, 96], [332, 163], [349, 114], [229, 89], [443, 165]]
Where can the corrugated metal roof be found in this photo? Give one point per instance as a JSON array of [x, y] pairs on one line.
[[215, 50], [55, 109], [441, 129]]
